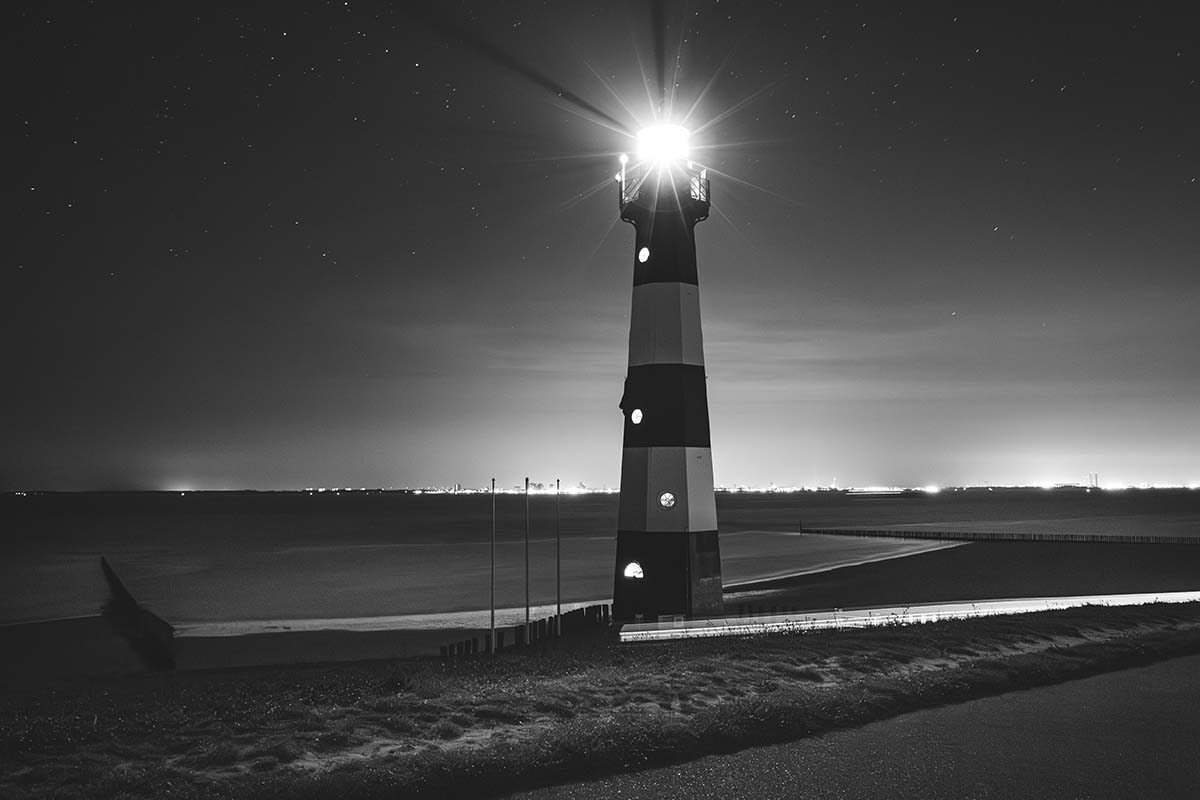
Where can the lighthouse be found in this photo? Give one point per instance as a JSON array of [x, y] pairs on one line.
[[668, 556]]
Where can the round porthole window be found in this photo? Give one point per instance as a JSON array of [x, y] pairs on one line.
[[636, 416], [666, 500], [634, 570], [644, 255]]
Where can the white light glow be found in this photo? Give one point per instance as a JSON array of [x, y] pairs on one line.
[[666, 500], [624, 159], [644, 255], [661, 144], [636, 416], [634, 570]]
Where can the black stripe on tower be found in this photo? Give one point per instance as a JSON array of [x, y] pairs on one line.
[[694, 558], [671, 241], [673, 401]]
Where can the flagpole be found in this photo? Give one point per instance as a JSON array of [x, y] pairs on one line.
[[558, 554], [527, 561], [492, 640]]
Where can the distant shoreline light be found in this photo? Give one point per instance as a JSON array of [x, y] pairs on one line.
[[581, 489], [931, 489]]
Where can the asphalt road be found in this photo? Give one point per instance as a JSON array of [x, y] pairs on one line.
[[1125, 734]]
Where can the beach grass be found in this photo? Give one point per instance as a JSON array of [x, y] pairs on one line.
[[582, 708]]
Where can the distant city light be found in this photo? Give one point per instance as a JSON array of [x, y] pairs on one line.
[[668, 499]]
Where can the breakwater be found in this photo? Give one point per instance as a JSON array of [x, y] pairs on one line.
[[1003, 536]]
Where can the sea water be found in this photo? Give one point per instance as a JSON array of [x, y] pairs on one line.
[[226, 557]]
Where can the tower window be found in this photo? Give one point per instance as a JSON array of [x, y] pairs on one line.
[[666, 500], [636, 416], [634, 570], [644, 255]]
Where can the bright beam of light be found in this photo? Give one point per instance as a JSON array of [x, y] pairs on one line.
[[738, 106], [567, 106], [733, 226], [569, 157], [675, 72], [654, 107], [678, 203], [660, 107], [616, 96], [743, 143], [662, 144], [707, 87], [658, 31], [603, 238], [750, 185], [446, 25], [638, 183], [586, 193]]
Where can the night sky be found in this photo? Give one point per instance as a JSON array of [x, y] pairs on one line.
[[308, 244]]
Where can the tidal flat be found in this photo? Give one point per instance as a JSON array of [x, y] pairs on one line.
[[204, 557], [575, 709]]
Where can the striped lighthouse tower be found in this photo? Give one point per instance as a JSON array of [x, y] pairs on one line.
[[668, 558]]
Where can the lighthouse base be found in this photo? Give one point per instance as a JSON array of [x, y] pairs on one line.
[[667, 574]]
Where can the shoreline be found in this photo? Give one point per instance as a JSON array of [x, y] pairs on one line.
[[918, 549], [477, 619], [936, 572], [453, 594], [47, 649]]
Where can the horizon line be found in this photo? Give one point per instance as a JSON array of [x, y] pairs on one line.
[[581, 490]]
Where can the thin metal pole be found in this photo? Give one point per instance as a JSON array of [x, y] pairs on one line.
[[527, 561], [558, 554], [492, 641]]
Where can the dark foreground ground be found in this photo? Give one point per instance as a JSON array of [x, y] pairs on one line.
[[574, 710], [1125, 734]]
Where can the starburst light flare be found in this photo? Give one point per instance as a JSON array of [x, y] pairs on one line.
[[662, 145]]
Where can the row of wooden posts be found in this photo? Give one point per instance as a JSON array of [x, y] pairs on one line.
[[541, 630]]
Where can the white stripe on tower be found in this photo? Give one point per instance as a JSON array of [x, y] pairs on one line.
[[664, 325], [685, 472]]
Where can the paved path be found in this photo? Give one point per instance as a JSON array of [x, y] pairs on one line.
[[889, 615]]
